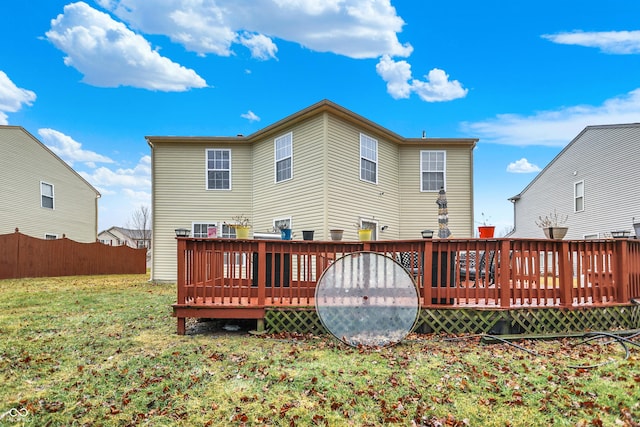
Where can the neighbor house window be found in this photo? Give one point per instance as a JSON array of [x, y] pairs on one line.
[[218, 169], [46, 192], [432, 170], [368, 159], [50, 236], [284, 157], [578, 196]]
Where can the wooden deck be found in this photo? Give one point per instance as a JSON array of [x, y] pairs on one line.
[[242, 279]]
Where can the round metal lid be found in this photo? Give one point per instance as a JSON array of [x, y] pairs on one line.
[[367, 299]]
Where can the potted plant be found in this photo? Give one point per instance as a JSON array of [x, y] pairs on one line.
[[285, 231], [336, 234], [365, 232], [485, 230], [241, 225], [553, 225], [307, 234]]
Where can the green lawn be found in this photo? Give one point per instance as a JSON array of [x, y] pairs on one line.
[[103, 351]]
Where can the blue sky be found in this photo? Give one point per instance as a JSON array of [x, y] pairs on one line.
[[92, 79]]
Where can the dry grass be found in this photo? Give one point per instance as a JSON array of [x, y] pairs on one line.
[[103, 351]]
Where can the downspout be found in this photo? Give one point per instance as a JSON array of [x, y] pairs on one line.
[[513, 200]]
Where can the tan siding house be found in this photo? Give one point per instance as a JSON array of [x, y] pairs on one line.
[[305, 169], [593, 180], [40, 194]]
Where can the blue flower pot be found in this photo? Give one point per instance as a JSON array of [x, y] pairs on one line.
[[286, 234]]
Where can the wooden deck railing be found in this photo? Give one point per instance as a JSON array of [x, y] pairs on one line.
[[240, 278]]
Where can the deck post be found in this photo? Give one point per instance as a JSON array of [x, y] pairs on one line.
[[182, 329], [260, 325], [503, 276], [621, 271], [565, 274], [262, 272], [427, 269], [181, 283]]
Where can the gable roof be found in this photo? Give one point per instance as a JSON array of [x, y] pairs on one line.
[[311, 111], [54, 155], [567, 147]]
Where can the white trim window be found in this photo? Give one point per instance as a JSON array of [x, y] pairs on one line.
[[46, 195], [368, 159], [283, 151], [578, 196], [218, 169], [433, 165]]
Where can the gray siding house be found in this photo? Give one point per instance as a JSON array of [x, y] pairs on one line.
[[321, 168], [593, 181], [40, 194]]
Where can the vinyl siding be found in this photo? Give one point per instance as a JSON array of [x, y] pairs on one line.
[[606, 158], [350, 198], [419, 210], [300, 198], [180, 196], [24, 164], [324, 193]]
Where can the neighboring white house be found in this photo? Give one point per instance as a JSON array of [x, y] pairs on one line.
[[321, 168], [40, 194], [118, 236], [593, 181]]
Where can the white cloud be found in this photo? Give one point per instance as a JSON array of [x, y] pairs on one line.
[[614, 42], [12, 98], [353, 28], [522, 166], [70, 150], [437, 86], [138, 177], [108, 54], [397, 75], [555, 128], [251, 116], [261, 47]]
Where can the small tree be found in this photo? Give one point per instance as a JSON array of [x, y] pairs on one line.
[[141, 224]]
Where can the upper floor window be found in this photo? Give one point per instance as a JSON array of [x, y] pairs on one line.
[[432, 170], [368, 159], [46, 192], [284, 157], [578, 196], [218, 169]]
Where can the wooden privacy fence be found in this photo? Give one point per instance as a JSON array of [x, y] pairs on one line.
[[26, 256], [228, 278]]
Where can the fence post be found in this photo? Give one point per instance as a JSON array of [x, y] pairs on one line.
[[621, 271], [566, 275]]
